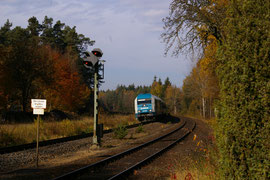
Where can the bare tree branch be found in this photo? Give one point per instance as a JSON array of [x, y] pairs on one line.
[[187, 20]]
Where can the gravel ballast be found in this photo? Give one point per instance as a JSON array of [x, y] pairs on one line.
[[62, 157]]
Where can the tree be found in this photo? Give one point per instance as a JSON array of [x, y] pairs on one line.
[[23, 65], [207, 72], [192, 90], [61, 37], [173, 98], [156, 89], [122, 99], [67, 92], [4, 33], [244, 77], [34, 27], [29, 68], [167, 83], [186, 17]]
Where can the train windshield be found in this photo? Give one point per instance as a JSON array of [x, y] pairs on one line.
[[144, 101]]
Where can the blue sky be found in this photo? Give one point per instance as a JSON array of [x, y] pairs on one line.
[[127, 31]]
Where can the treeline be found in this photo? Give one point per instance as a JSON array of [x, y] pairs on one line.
[[121, 99], [42, 61], [190, 99], [231, 76], [201, 86]]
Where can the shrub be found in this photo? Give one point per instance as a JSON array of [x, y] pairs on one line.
[[140, 129], [244, 119], [120, 132]]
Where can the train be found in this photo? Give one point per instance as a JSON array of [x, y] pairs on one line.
[[148, 107]]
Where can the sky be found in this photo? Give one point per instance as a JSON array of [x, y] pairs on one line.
[[127, 31]]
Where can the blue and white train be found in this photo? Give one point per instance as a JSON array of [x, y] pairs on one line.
[[148, 106]]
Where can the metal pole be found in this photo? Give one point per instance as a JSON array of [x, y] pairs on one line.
[[95, 138], [37, 141]]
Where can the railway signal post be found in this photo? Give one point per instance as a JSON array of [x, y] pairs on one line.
[[92, 61]]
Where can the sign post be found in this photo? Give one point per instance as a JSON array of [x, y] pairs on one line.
[[38, 106], [37, 153]]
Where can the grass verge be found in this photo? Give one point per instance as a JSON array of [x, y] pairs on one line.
[[16, 134], [202, 159]]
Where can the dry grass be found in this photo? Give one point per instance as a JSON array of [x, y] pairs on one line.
[[203, 164], [15, 134], [201, 168], [112, 121]]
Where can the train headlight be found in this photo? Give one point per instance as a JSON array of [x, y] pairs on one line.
[[150, 110], [139, 111]]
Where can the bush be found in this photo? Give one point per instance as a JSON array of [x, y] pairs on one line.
[[244, 119], [140, 129], [120, 132]]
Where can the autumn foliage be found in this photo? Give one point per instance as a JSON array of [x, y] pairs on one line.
[[67, 91], [230, 78], [42, 61]]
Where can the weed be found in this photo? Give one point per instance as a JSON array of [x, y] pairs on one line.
[[140, 129], [120, 131]]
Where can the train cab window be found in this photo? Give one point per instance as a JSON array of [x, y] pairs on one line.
[[144, 101]]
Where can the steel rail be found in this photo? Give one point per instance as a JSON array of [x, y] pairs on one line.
[[22, 147], [78, 172], [129, 170], [75, 173]]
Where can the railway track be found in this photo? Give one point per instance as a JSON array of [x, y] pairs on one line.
[[22, 147], [123, 164]]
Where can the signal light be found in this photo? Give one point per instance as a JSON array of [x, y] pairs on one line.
[[91, 59], [87, 63], [97, 52]]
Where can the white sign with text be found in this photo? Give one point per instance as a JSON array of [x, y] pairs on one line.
[[38, 111], [38, 103]]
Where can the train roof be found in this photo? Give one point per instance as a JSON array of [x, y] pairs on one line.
[[147, 96], [144, 96]]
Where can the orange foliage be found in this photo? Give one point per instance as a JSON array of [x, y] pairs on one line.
[[67, 92]]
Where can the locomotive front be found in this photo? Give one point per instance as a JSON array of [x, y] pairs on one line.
[[144, 107]]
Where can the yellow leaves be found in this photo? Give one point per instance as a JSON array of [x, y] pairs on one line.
[[156, 89], [194, 137]]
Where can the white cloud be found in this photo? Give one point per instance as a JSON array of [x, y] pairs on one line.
[[128, 32]]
